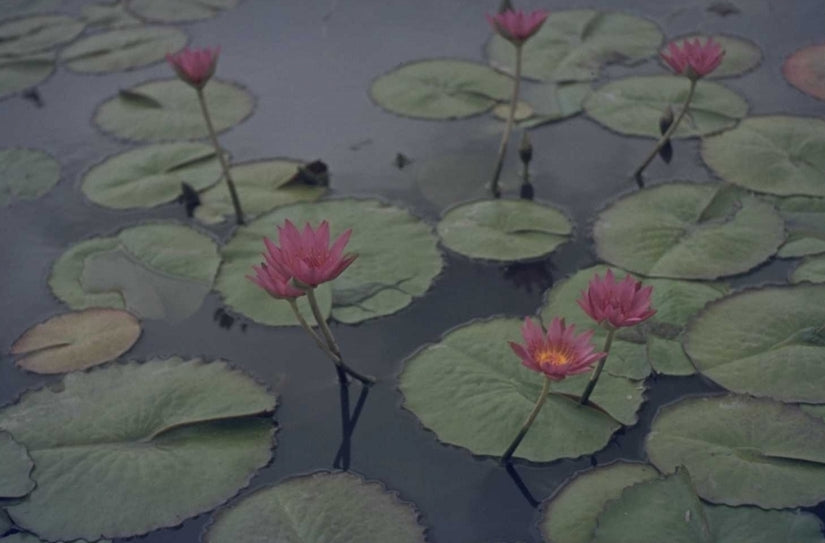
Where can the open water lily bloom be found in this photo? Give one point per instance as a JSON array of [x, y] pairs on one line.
[[195, 66], [517, 26], [558, 353], [694, 59], [616, 304]]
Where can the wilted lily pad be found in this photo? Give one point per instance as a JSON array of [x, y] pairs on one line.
[[319, 508], [441, 89], [122, 49], [774, 154], [398, 260], [743, 450], [169, 109], [505, 230], [36, 34], [634, 105], [764, 342], [573, 45], [173, 11], [805, 70], [15, 467], [151, 175], [472, 391], [95, 438], [811, 269], [688, 231], [156, 271], [18, 73], [26, 174], [741, 55], [76, 341]]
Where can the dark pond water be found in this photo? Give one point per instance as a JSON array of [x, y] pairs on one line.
[[309, 64]]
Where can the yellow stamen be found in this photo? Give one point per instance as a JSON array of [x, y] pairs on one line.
[[552, 357]]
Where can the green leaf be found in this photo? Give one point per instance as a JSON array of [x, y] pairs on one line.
[[667, 356], [504, 230], [440, 89], [111, 15], [398, 260], [179, 115], [19, 73], [21, 537], [741, 55], [804, 70], [472, 391], [26, 174], [319, 508], [151, 175], [174, 11], [774, 154], [123, 450], [155, 270], [569, 516], [546, 103], [22, 37], [743, 450], [119, 50], [16, 8], [262, 186], [811, 269], [76, 341], [740, 524], [763, 342], [634, 105], [663, 231], [573, 45], [15, 469]]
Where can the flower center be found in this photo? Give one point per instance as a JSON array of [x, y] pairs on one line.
[[547, 356]]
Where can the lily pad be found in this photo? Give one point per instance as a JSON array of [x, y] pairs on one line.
[[398, 261], [17, 8], [76, 341], [169, 109], [634, 105], [262, 186], [573, 45], [545, 103], [811, 269], [805, 70], [156, 271], [95, 438], [741, 55], [570, 515], [774, 154], [151, 175], [26, 174], [737, 524], [805, 222], [123, 49], [20, 537], [743, 450], [441, 89], [319, 508], [764, 342], [35, 34], [688, 231], [504, 230], [173, 11], [472, 391], [19, 73], [109, 15], [15, 468]]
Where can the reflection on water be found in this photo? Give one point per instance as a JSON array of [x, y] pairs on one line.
[[530, 276], [348, 421]]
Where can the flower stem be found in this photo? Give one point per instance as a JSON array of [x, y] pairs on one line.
[[236, 203], [526, 426], [666, 136], [591, 384], [505, 138], [311, 332]]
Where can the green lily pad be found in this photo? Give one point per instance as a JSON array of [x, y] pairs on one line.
[[123, 49], [805, 222], [570, 515], [453, 177], [19, 73], [441, 89], [16, 8], [764, 342], [76, 341], [811, 269], [168, 109], [738, 524], [545, 103], [15, 468], [573, 45], [174, 11], [634, 105], [156, 271], [774, 154], [95, 438], [109, 15], [5, 524], [743, 450], [667, 356], [26, 174], [398, 261], [472, 391], [741, 55], [35, 34], [504, 230], [805, 70], [151, 175], [21, 537], [688, 231], [319, 508], [262, 186]]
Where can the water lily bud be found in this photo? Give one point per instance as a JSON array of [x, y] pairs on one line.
[[666, 119]]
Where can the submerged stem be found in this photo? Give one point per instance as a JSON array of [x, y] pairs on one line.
[[594, 377], [505, 138], [526, 426]]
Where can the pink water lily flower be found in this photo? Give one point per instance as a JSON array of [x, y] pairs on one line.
[[558, 353], [274, 282], [616, 304], [195, 66], [517, 26], [693, 59]]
